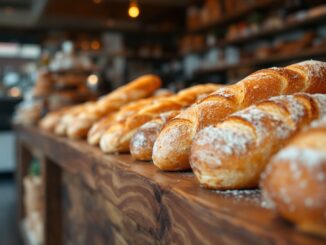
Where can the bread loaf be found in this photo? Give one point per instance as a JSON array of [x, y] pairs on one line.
[[142, 142], [69, 116], [51, 120], [99, 128], [172, 147], [142, 87], [294, 182], [233, 153], [117, 138]]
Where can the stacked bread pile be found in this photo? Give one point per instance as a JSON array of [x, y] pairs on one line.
[[227, 137], [61, 89]]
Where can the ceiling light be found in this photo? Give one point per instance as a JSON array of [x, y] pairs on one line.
[[92, 80], [97, 1], [133, 10]]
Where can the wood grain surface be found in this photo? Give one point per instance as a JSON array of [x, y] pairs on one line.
[[162, 207]]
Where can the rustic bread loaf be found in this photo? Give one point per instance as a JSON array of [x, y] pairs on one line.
[[141, 87], [117, 138], [294, 182], [233, 153], [142, 142], [172, 147]]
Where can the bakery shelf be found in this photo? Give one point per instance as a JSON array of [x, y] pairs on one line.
[[114, 199], [309, 53], [224, 20], [293, 25]]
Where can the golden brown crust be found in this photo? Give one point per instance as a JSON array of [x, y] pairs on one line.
[[52, 119], [294, 183], [69, 116], [141, 87], [184, 98], [179, 133], [100, 127], [142, 142], [233, 153]]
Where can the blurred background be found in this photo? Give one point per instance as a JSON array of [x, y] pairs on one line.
[[55, 53]]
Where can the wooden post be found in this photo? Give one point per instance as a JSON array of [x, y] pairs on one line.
[[51, 177], [23, 159]]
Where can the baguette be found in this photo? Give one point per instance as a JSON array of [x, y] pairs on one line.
[[142, 142], [99, 128], [142, 87], [233, 153], [294, 182], [117, 138], [172, 147], [69, 116], [51, 120]]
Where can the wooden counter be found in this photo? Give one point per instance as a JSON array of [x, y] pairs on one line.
[[92, 198]]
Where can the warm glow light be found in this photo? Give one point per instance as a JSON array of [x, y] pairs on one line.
[[95, 45], [14, 92], [133, 10], [92, 80], [97, 1]]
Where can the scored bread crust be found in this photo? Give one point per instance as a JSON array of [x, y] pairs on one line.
[[99, 128], [79, 123], [294, 182], [172, 147], [233, 153], [117, 137], [142, 142], [49, 122]]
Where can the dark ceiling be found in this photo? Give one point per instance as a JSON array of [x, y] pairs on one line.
[[90, 14]]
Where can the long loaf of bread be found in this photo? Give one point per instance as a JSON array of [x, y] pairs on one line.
[[141, 87], [69, 116], [233, 153], [117, 137], [99, 128], [294, 182], [172, 147], [51, 120], [142, 142]]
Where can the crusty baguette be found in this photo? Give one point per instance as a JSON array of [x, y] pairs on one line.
[[51, 120], [141, 87], [117, 138], [172, 147], [294, 182], [99, 128], [142, 142], [68, 117], [233, 153]]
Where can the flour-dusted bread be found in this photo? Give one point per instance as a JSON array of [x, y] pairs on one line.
[[232, 154], [294, 182], [142, 142], [100, 127], [172, 147], [141, 87], [117, 138]]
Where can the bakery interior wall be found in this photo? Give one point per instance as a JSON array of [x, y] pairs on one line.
[[88, 47]]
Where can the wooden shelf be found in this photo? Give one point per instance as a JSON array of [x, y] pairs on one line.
[[305, 54], [149, 58], [146, 205], [310, 21], [270, 32], [224, 20]]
